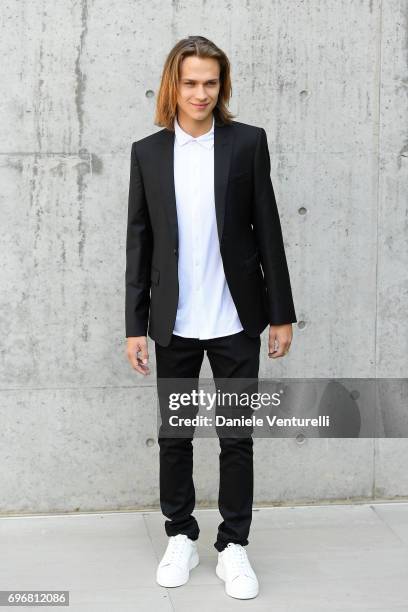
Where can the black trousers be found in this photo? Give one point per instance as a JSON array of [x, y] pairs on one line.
[[233, 356]]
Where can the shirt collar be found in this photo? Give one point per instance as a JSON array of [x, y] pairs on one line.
[[206, 140]]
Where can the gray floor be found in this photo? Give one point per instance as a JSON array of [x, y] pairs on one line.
[[309, 558]]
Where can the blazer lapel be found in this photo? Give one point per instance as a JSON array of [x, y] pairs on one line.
[[222, 161]]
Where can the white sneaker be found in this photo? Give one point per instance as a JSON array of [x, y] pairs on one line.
[[235, 569], [180, 557]]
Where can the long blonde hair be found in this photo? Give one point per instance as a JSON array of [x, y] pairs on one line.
[[166, 106]]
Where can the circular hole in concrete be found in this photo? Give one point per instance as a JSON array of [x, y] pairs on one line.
[[300, 438]]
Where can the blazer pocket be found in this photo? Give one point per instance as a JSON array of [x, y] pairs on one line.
[[155, 275], [252, 263], [241, 176]]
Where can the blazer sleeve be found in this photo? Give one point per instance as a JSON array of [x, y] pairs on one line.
[[268, 233], [139, 246]]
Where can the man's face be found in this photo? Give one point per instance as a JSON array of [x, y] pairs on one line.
[[198, 87]]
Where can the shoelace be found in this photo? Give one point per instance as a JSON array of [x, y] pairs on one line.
[[239, 559], [175, 548]]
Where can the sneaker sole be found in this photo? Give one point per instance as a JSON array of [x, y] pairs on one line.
[[194, 561]]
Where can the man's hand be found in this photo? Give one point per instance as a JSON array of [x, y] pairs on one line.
[[137, 345], [280, 337]]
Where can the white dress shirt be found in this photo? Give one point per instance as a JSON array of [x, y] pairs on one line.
[[205, 307]]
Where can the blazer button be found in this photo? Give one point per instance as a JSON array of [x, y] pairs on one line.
[[175, 251]]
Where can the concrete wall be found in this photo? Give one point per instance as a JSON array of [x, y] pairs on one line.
[[328, 80]]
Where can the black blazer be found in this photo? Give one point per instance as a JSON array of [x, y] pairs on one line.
[[248, 226]]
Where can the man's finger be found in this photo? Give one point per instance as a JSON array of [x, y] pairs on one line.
[[144, 355], [136, 362], [272, 344], [282, 349], [140, 367], [132, 358], [143, 369]]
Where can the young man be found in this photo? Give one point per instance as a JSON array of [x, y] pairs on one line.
[[202, 220]]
